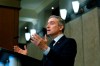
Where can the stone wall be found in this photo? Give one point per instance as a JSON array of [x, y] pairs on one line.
[[86, 30]]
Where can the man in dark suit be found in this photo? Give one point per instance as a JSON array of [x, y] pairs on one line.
[[60, 53]]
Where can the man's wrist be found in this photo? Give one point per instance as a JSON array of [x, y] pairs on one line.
[[46, 51], [45, 48]]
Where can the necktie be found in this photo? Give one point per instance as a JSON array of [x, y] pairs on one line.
[[51, 44]]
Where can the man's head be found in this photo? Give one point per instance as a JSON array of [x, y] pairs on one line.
[[55, 26]]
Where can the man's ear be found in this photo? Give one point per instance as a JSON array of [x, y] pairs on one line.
[[61, 27]]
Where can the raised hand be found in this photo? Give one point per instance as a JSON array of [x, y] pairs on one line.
[[40, 42], [19, 50]]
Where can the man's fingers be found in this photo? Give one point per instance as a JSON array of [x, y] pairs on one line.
[[45, 37]]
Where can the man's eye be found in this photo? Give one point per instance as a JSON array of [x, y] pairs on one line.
[[51, 23]]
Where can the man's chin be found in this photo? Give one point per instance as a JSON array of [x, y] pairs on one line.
[[48, 34]]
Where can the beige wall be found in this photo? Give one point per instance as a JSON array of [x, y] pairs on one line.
[[74, 30], [91, 38], [85, 29]]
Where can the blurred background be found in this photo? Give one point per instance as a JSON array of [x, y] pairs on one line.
[[82, 19]]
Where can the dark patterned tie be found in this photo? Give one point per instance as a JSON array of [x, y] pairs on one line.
[[51, 44]]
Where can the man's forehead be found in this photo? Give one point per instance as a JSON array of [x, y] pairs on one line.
[[52, 19]]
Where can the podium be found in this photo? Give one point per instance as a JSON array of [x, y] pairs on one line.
[[15, 59]]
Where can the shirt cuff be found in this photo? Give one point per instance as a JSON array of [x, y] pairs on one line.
[[46, 51]]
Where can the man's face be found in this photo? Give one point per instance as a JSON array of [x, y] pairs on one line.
[[53, 27]]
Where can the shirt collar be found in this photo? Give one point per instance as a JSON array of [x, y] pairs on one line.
[[58, 37]]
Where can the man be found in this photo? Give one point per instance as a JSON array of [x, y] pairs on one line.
[[62, 52]]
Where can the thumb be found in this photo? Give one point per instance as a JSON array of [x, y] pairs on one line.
[[25, 47]]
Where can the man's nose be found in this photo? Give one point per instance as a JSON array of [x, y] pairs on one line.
[[47, 26]]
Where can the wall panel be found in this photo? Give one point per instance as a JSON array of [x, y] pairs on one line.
[[91, 37], [86, 31], [74, 29]]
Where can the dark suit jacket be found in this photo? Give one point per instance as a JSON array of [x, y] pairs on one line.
[[62, 54]]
